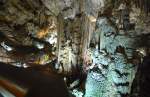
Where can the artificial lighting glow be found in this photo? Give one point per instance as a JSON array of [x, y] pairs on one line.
[[40, 46], [17, 64], [92, 18], [8, 48], [77, 93], [142, 51], [25, 65], [43, 32], [52, 39]]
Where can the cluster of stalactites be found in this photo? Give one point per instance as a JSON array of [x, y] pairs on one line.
[[144, 5]]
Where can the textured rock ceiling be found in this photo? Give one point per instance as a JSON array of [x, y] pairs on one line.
[[29, 22], [38, 14], [29, 26]]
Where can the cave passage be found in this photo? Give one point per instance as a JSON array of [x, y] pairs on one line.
[[74, 48]]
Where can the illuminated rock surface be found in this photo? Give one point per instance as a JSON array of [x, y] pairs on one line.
[[112, 73], [103, 39]]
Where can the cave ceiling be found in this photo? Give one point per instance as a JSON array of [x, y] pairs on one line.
[[98, 38], [33, 22]]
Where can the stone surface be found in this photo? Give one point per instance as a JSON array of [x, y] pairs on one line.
[[102, 35], [112, 73]]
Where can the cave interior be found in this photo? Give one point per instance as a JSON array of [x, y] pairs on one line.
[[74, 48]]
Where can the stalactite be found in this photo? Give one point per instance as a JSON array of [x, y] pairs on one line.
[[144, 5], [88, 38], [111, 71], [87, 29]]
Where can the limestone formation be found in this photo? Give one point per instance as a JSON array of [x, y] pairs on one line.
[[104, 40]]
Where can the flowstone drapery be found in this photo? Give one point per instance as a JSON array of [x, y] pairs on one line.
[[114, 65], [109, 29]]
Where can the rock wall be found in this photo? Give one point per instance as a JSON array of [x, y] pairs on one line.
[[102, 36]]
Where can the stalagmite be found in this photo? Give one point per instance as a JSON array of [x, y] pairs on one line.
[[96, 46]]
